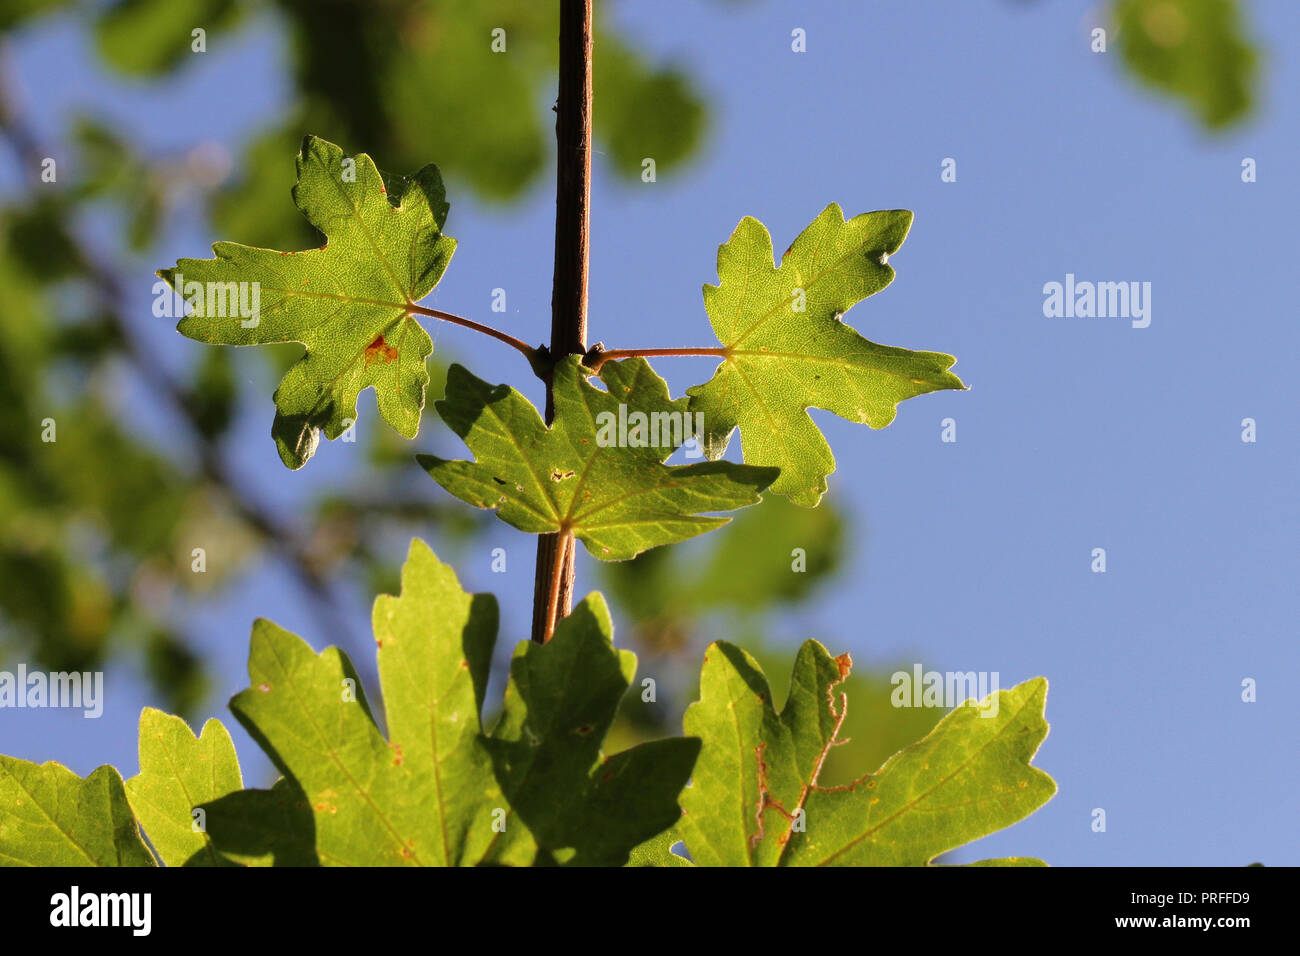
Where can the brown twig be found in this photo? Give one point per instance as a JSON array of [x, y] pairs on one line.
[[569, 285]]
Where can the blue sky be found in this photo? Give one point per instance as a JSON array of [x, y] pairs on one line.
[[1076, 433]]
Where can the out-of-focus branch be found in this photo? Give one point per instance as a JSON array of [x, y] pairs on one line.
[[281, 540]]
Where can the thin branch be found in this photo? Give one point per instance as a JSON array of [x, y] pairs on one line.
[[569, 285], [565, 539]]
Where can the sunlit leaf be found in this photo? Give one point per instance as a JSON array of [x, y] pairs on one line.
[[581, 475], [347, 301], [757, 798], [788, 348], [51, 817], [179, 772]]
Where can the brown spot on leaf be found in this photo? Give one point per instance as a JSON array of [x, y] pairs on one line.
[[380, 351], [845, 664]]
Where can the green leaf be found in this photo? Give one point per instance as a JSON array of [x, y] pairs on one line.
[[619, 499], [427, 795], [438, 791], [347, 301], [51, 817], [179, 772], [789, 350], [754, 563], [582, 807], [658, 851], [1195, 50], [756, 800]]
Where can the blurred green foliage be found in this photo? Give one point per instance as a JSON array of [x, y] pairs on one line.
[[1193, 50], [92, 516], [431, 79], [147, 37]]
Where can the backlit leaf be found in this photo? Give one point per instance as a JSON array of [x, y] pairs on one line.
[[51, 817], [426, 795], [347, 301], [179, 772], [789, 349], [593, 472], [756, 797]]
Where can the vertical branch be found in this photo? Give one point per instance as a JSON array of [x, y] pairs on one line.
[[553, 586]]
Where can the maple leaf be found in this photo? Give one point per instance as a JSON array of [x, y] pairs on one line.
[[348, 302], [968, 777], [788, 349], [51, 817], [178, 772], [423, 796], [582, 807], [439, 791], [581, 475]]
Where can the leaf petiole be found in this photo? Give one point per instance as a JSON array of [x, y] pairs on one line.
[[529, 352], [598, 356]]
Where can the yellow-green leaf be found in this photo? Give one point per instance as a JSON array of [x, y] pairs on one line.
[[51, 817], [348, 302], [178, 774], [788, 348], [598, 472]]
